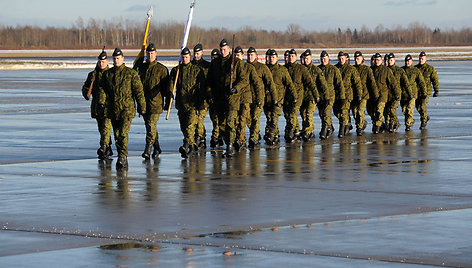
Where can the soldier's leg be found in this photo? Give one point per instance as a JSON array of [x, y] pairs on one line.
[[150, 121], [200, 126], [231, 121], [243, 118], [394, 124], [378, 116], [254, 122], [408, 108], [359, 114], [121, 129], [422, 108], [306, 112]]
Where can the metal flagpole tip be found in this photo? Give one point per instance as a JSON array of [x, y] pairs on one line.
[[150, 11], [192, 4]]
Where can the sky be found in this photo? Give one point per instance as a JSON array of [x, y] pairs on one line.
[[270, 15]]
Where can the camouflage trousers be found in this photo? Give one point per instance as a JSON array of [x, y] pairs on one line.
[[272, 114], [244, 115], [150, 121], [371, 107], [120, 131], [390, 112], [307, 109], [421, 104], [217, 116], [408, 109], [200, 130], [291, 111], [324, 110], [231, 118], [358, 111], [254, 122], [341, 111], [377, 110], [104, 128], [188, 122]]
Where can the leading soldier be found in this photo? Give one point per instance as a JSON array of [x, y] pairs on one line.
[[154, 76], [430, 77], [99, 113], [391, 107], [119, 89], [415, 77]]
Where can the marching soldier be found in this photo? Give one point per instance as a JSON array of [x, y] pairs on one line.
[[188, 99], [385, 81], [226, 80], [336, 93], [119, 88], [215, 53], [154, 76], [391, 107], [285, 92], [200, 132], [308, 96], [370, 93], [269, 96], [100, 114], [430, 77], [417, 87]]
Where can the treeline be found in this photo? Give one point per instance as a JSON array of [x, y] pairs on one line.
[[127, 33]]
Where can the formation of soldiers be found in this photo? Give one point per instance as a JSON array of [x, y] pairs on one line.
[[235, 93]]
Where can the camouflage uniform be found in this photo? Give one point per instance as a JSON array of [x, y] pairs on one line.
[[154, 77], [323, 90], [391, 107], [200, 131], [268, 95], [119, 88], [369, 95], [285, 93], [430, 76], [415, 77], [336, 93], [386, 82], [100, 114], [188, 98], [226, 103], [353, 91], [253, 94]]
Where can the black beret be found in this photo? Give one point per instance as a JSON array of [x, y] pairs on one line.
[[292, 52], [357, 54], [103, 55], [346, 55], [323, 54], [215, 52], [286, 53], [307, 52], [422, 54], [391, 56], [117, 52], [224, 42], [377, 55], [238, 49], [251, 50], [151, 47], [271, 52], [197, 48], [408, 57], [386, 57], [340, 54], [185, 51]]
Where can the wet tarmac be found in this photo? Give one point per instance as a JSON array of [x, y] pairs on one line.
[[389, 200]]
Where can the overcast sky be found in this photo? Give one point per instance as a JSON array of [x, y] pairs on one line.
[[270, 15]]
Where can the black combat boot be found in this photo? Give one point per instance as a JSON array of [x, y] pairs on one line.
[[122, 163], [375, 129], [101, 152], [229, 150], [289, 136], [307, 136], [220, 141], [407, 128], [192, 149], [395, 127], [424, 123], [330, 131], [297, 135], [347, 128], [157, 149], [276, 140], [109, 151], [324, 132], [147, 151], [183, 150], [213, 143], [360, 132], [237, 146], [202, 143], [341, 131]]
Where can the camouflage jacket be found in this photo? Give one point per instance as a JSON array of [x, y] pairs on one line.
[[190, 86], [94, 109], [320, 81], [304, 84], [154, 76], [219, 75], [264, 73], [254, 92], [351, 81], [415, 77], [402, 81], [283, 83], [334, 80], [385, 81], [430, 76], [119, 88], [203, 64], [370, 89]]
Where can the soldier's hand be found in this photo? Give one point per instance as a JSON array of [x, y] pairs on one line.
[[86, 97], [233, 91], [435, 94]]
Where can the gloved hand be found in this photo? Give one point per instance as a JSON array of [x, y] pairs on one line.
[[233, 91], [435, 94]]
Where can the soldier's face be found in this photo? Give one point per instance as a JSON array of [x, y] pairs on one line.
[[308, 59], [251, 57], [198, 55], [103, 63], [225, 51], [118, 60], [273, 59], [378, 61], [408, 63], [214, 57], [293, 58], [151, 55], [423, 60], [391, 62], [186, 59], [324, 60], [342, 60], [239, 56], [359, 60], [287, 59]]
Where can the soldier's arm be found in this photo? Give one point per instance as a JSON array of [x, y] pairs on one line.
[[102, 93], [405, 83], [422, 89], [258, 86], [241, 76], [338, 83], [323, 85], [393, 84], [356, 81], [137, 89], [435, 80], [269, 83], [372, 84], [86, 86], [288, 84], [309, 83]]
